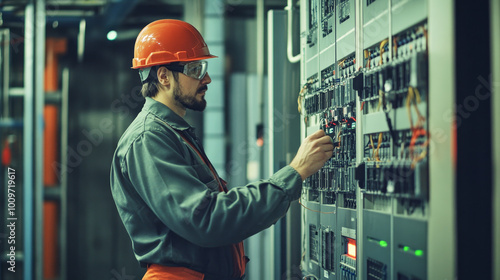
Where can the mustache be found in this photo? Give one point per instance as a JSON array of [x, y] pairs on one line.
[[205, 87]]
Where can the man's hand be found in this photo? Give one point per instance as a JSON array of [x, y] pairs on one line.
[[316, 149]]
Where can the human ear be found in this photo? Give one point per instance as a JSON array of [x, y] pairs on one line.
[[163, 76]]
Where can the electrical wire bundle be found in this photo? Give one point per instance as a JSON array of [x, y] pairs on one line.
[[417, 130]]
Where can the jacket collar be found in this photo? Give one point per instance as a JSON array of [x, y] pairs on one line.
[[166, 114]]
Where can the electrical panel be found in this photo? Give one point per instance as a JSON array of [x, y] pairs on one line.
[[364, 71]]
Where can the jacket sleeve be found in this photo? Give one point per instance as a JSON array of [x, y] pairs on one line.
[[170, 186]]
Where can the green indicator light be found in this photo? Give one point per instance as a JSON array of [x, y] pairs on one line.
[[419, 253], [406, 248], [112, 35], [383, 243]]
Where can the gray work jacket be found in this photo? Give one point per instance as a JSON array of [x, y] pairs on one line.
[[170, 203]]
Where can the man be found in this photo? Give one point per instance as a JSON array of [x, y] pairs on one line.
[[182, 220]]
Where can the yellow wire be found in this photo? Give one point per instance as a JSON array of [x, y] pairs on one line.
[[367, 53], [420, 157], [380, 98], [426, 39], [338, 136], [382, 50], [341, 64], [414, 95], [417, 98], [299, 99], [395, 46], [409, 97], [417, 95], [299, 104], [367, 56]]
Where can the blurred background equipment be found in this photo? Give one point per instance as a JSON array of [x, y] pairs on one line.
[[406, 88]]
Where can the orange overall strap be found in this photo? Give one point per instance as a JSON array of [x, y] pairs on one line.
[[160, 272], [239, 258], [222, 188]]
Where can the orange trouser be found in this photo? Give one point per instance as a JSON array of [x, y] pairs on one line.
[[160, 272]]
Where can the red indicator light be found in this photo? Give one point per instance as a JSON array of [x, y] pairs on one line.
[[260, 142], [351, 248]]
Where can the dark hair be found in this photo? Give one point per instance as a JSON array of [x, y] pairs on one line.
[[150, 86]]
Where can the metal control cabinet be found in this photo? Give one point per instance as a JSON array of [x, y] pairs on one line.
[[364, 74]]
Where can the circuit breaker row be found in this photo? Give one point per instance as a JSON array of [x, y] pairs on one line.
[[334, 95], [333, 180]]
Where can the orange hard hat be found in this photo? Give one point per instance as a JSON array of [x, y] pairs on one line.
[[166, 41]]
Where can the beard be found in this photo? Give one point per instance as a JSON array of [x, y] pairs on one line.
[[190, 102]]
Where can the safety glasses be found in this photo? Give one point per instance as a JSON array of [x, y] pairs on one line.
[[195, 69]]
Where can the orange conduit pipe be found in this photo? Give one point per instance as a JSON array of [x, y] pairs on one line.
[[54, 47]]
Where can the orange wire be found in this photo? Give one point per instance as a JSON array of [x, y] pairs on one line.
[[378, 146], [367, 55], [395, 46], [422, 155]]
